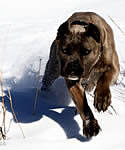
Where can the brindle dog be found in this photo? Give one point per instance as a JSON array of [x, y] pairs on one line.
[[84, 54]]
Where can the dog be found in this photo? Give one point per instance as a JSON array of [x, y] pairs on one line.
[[83, 52]]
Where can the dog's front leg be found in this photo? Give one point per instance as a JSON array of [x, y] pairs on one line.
[[90, 124], [52, 69], [102, 94]]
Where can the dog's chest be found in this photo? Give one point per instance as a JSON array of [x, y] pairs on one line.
[[90, 81]]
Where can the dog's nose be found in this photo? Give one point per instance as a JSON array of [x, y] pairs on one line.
[[74, 69]]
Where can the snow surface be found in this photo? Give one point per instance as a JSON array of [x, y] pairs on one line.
[[27, 29]]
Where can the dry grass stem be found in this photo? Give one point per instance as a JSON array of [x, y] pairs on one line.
[[11, 104], [2, 135], [3, 106], [9, 125], [114, 109], [37, 89]]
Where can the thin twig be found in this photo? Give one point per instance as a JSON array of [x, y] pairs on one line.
[[3, 106], [123, 35], [34, 110], [3, 136], [9, 125], [90, 95], [4, 118], [11, 104], [109, 112], [117, 26], [114, 109]]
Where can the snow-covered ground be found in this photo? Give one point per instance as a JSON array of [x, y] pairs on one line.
[[27, 28]]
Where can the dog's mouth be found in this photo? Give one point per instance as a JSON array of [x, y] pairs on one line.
[[74, 78], [73, 70]]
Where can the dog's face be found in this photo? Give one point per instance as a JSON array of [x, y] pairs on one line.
[[78, 48]]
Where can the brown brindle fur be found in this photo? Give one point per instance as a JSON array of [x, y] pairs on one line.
[[84, 54]]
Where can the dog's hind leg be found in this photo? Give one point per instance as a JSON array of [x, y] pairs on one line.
[[51, 70], [90, 124]]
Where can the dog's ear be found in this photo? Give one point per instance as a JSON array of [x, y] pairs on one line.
[[94, 32], [63, 29]]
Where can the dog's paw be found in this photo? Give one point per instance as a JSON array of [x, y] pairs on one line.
[[91, 128], [102, 98]]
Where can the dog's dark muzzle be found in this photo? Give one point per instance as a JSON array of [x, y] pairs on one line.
[[73, 70]]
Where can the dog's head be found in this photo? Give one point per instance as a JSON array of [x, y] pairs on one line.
[[78, 47]]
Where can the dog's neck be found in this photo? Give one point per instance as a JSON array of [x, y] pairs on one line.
[[85, 81], [99, 56]]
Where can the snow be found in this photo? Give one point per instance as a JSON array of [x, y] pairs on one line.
[[27, 29]]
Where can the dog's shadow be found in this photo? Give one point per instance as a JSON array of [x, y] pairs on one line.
[[47, 102]]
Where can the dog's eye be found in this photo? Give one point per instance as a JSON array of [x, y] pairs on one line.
[[85, 51], [66, 51]]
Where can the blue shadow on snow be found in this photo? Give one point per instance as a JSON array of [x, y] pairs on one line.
[[56, 97]]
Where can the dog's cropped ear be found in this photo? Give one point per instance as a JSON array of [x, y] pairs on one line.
[[63, 29], [94, 32]]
